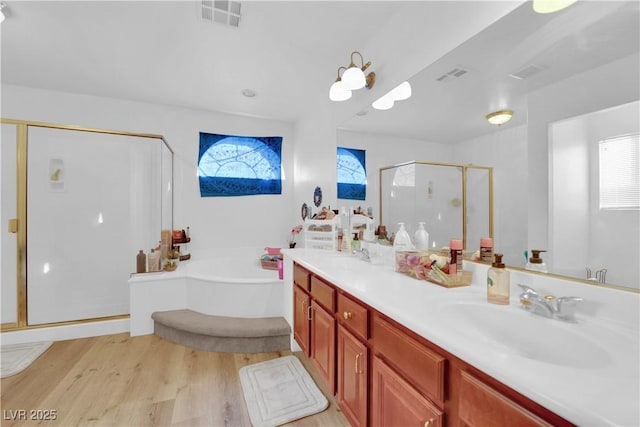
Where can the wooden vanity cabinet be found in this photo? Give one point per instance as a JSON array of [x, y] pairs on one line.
[[353, 377], [386, 375], [353, 359], [323, 344], [302, 318], [395, 402], [481, 405]]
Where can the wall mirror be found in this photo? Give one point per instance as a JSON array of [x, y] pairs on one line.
[[550, 70], [454, 201]]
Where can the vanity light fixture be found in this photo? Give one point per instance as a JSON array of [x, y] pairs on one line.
[[337, 92], [2, 6], [399, 93], [353, 78], [499, 117], [550, 6]]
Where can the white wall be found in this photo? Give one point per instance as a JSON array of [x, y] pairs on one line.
[[214, 222]]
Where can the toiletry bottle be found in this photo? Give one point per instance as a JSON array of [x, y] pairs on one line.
[[498, 282], [486, 249], [455, 246], [355, 243], [141, 262], [402, 241], [346, 242], [154, 260], [422, 237], [535, 262], [340, 237]]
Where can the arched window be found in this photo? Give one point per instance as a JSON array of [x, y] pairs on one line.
[[352, 174], [239, 165]]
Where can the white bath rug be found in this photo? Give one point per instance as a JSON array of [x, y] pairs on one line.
[[15, 358], [279, 391]]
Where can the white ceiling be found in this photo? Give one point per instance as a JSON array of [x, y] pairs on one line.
[[288, 53], [582, 37], [163, 52]]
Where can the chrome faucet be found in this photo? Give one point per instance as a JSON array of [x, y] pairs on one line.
[[548, 306], [363, 254]]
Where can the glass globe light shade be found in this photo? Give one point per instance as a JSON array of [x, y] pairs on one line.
[[383, 103], [401, 92], [337, 92], [353, 79], [550, 6]]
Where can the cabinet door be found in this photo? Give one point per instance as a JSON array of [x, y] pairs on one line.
[[301, 318], [396, 403], [323, 345], [353, 366], [480, 405]]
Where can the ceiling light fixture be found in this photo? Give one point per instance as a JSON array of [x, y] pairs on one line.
[[353, 78], [337, 92], [499, 117], [2, 6], [550, 6], [398, 93]]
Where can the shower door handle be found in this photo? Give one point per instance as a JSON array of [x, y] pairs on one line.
[[13, 225]]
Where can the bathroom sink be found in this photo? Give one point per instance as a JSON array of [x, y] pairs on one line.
[[515, 332]]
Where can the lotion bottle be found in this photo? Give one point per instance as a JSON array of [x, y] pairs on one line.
[[422, 237], [498, 282], [402, 241]]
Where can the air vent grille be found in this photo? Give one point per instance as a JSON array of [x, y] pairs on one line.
[[223, 12], [526, 72], [452, 74]]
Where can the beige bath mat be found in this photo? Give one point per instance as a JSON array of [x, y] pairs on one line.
[[15, 358], [279, 391]]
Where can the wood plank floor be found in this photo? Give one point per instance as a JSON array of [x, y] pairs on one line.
[[118, 380]]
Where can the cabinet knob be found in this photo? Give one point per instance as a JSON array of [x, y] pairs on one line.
[[346, 315], [428, 422]]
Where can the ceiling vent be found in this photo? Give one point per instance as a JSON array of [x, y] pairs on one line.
[[526, 72], [223, 12], [453, 74]]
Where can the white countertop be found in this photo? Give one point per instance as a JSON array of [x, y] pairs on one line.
[[594, 383]]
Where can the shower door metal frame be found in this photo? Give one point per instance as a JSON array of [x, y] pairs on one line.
[[22, 127]]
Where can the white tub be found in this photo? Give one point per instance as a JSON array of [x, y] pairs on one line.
[[235, 286]]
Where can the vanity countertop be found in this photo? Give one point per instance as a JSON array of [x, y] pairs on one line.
[[587, 372]]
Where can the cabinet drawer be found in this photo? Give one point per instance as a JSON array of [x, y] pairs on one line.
[[301, 277], [420, 365], [354, 316], [481, 405], [323, 293]]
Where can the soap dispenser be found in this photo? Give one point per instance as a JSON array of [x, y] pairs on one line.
[[402, 241], [498, 285], [422, 237], [535, 262]]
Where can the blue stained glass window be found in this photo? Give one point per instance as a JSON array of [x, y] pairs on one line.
[[239, 165], [352, 174]]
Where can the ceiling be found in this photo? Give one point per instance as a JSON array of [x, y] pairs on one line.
[[163, 52], [560, 45]]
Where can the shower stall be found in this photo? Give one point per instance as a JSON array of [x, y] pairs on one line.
[[77, 206]]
